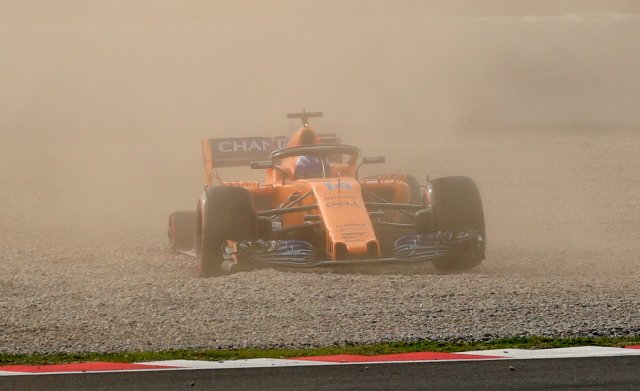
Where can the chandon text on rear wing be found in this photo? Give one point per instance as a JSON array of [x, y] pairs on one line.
[[241, 151]]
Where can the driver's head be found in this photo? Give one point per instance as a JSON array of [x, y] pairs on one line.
[[309, 167]]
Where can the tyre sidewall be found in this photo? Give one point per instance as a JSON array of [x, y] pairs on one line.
[[457, 207]]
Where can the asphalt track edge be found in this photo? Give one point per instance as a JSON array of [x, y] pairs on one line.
[[609, 372]]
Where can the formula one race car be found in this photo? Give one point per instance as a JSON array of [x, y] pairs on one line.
[[313, 210]]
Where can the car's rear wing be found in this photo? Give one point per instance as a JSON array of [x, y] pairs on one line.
[[241, 151]]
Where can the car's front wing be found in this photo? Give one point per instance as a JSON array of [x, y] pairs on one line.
[[408, 249]]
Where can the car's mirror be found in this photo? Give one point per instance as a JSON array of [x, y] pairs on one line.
[[370, 160], [262, 164], [373, 159]]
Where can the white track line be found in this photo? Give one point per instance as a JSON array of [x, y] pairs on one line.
[[11, 373], [250, 363]]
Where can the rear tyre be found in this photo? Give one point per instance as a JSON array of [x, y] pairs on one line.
[[224, 213], [182, 231], [457, 207]]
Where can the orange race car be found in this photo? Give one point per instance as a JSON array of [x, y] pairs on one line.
[[313, 210]]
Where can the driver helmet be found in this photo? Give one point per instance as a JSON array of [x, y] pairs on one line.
[[309, 167]]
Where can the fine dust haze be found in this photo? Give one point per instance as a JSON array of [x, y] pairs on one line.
[[104, 103]]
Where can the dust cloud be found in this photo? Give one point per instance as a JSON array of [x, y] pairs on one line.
[[103, 104]]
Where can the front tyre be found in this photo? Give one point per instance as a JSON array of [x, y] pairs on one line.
[[457, 207], [224, 213]]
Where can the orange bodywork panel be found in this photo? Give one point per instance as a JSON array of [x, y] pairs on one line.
[[207, 161], [349, 233], [346, 219]]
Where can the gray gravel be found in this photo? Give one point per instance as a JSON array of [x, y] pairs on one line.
[[563, 261], [144, 299]]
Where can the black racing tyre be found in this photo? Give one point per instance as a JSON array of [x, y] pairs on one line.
[[182, 231], [227, 213], [457, 207]]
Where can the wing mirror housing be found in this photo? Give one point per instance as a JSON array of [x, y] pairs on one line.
[[373, 160], [262, 164], [265, 164], [370, 160]]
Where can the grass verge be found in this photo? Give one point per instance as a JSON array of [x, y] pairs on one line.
[[374, 349]]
